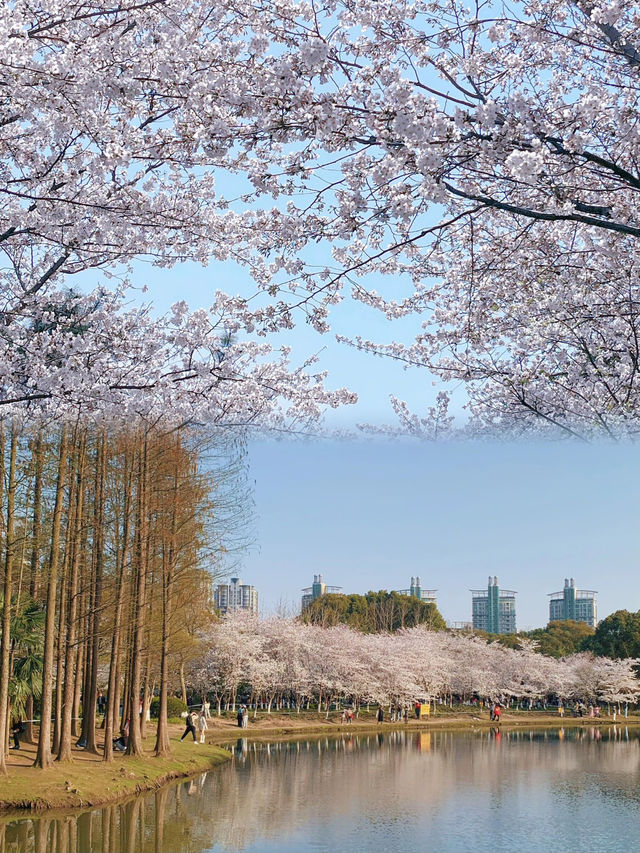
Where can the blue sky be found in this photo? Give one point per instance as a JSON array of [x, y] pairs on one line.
[[368, 515]]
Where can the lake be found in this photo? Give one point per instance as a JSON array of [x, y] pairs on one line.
[[567, 790]]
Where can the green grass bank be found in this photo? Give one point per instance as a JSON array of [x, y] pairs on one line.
[[88, 781]]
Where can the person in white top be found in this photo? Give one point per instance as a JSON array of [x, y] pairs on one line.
[[202, 725]]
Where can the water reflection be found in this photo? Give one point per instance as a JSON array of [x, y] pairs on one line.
[[569, 789]]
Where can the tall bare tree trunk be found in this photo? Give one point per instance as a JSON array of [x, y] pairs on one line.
[[43, 757], [163, 744], [79, 668], [183, 684], [64, 747], [63, 606], [5, 644], [145, 687], [113, 694], [36, 532], [62, 625], [91, 693], [134, 746]]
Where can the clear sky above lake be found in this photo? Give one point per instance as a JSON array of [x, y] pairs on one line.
[[368, 515]]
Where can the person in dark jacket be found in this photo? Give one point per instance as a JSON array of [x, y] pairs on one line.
[[380, 714], [16, 730], [190, 727]]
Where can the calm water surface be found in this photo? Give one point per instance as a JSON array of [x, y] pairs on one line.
[[573, 790]]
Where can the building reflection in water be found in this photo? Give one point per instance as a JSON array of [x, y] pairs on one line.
[[273, 790]]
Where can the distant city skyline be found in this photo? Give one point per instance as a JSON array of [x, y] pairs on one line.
[[225, 600], [369, 514]]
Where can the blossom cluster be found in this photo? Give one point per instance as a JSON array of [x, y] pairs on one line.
[[478, 165]]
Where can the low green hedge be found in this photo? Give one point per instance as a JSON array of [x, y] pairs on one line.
[[175, 707]]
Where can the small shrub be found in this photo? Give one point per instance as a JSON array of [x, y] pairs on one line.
[[175, 707]]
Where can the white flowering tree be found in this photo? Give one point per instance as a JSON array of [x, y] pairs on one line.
[[285, 658], [482, 154], [478, 162], [103, 164], [619, 682]]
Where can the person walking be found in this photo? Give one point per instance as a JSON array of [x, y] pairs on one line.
[[202, 724], [206, 707], [497, 710], [190, 727], [380, 714]]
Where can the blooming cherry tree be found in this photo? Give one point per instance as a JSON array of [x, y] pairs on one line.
[[473, 166], [285, 657]]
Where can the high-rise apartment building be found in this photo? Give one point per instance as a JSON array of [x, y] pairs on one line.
[[571, 603], [235, 595], [494, 609], [417, 591], [319, 587]]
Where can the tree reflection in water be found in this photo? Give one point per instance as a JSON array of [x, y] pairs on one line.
[[275, 790]]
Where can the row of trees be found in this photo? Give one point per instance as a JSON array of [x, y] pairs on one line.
[[284, 658], [374, 611], [107, 538]]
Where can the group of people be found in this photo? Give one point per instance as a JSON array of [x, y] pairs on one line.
[[399, 714], [495, 710], [196, 720], [243, 717], [580, 709]]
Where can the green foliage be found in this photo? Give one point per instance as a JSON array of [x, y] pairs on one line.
[[510, 641], [373, 612], [175, 707], [561, 638], [557, 640], [27, 636], [617, 636]]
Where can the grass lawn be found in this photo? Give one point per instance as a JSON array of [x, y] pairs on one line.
[[87, 780]]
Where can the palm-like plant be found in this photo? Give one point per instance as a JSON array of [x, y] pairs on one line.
[[27, 635]]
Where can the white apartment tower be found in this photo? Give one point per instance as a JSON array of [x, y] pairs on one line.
[[235, 595]]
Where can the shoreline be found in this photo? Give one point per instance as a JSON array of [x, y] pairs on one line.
[[449, 722], [88, 782]]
